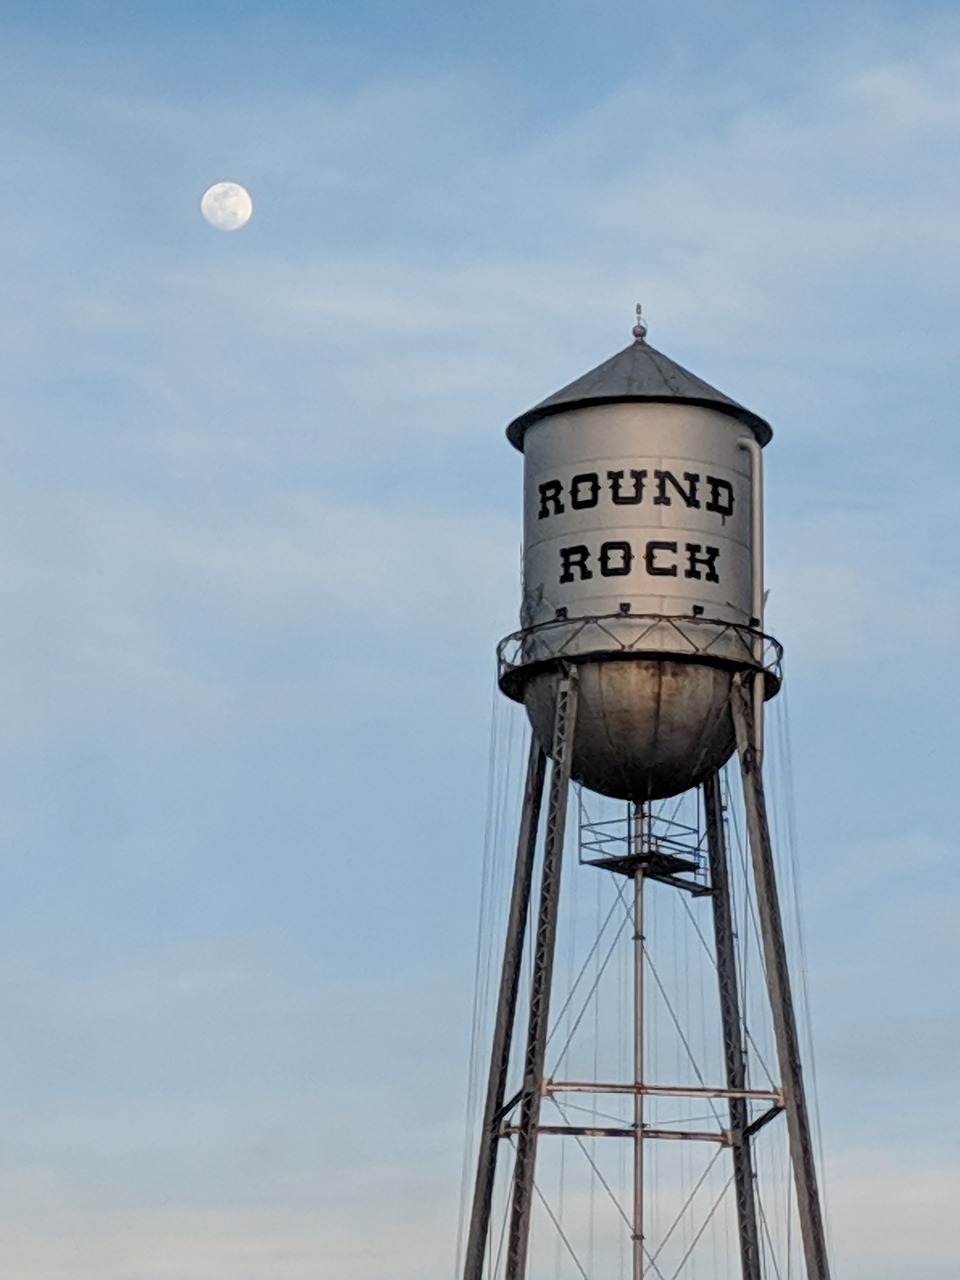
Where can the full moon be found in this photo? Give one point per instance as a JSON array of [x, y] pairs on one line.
[[227, 206]]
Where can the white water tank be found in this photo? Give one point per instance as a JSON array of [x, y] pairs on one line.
[[642, 565]]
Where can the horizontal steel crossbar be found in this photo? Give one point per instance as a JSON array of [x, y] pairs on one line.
[[606, 1131], [662, 1090]]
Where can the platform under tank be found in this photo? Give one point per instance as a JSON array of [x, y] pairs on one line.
[[642, 566]]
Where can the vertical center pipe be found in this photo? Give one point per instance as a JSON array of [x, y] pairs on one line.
[[638, 1046]]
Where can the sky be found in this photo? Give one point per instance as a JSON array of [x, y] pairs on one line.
[[259, 532]]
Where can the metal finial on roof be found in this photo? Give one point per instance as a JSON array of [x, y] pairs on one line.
[[640, 328]]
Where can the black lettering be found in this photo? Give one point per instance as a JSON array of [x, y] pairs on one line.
[[688, 494], [574, 558], [615, 559], [721, 496], [696, 562], [550, 491], [630, 499], [589, 478], [650, 558]]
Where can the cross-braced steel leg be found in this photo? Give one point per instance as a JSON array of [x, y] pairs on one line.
[[543, 952], [778, 985], [732, 1021], [506, 1015]]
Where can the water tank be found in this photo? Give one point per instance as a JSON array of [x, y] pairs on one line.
[[642, 565]]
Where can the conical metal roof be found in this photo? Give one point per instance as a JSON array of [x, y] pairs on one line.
[[638, 373]]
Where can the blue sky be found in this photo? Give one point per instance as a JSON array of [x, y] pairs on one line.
[[258, 539]]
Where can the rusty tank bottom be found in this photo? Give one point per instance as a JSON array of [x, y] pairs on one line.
[[647, 728]]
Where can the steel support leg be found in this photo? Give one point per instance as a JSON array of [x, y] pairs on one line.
[[778, 985], [506, 1015], [543, 953], [732, 1022]]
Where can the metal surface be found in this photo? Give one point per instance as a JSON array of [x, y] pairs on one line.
[[506, 1016], [654, 713], [636, 635], [759, 593], [660, 1090], [778, 986], [644, 504], [646, 728], [643, 666], [720, 1136], [652, 841], [638, 373], [640, 505], [543, 953], [731, 1019], [639, 1077]]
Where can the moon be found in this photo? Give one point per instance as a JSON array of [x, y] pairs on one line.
[[227, 206]]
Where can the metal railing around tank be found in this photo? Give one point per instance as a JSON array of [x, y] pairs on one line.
[[641, 635]]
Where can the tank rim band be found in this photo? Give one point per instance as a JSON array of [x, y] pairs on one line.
[[683, 638]]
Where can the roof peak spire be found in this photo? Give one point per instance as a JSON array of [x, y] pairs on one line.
[[640, 328]]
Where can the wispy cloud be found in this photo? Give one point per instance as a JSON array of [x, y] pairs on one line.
[[259, 534]]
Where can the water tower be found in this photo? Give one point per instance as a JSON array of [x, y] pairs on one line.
[[643, 667]]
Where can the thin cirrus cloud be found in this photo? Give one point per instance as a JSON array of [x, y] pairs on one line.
[[259, 536]]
